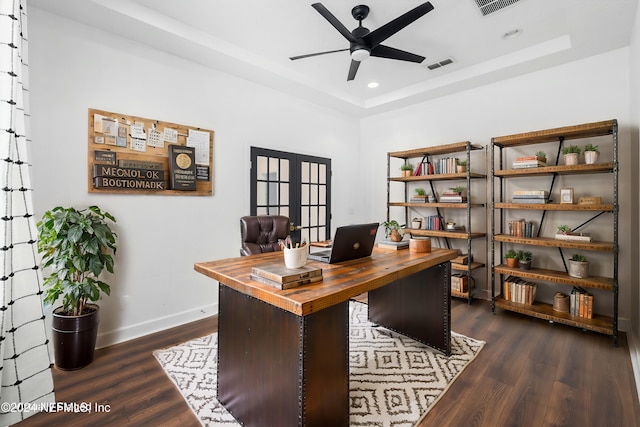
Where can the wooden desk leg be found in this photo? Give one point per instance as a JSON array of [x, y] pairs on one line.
[[418, 306], [279, 369]]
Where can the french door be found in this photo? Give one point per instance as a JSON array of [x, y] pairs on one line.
[[294, 185]]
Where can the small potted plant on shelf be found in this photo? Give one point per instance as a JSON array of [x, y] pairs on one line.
[[461, 166], [564, 229], [419, 195], [524, 259], [459, 189], [393, 230], [77, 246], [571, 155], [407, 169], [512, 258], [591, 154], [578, 266], [541, 156]]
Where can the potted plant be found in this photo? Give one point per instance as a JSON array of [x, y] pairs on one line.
[[419, 195], [541, 156], [393, 230], [564, 229], [512, 258], [459, 189], [77, 245], [407, 169], [461, 166], [571, 155], [524, 259], [578, 266], [591, 154]]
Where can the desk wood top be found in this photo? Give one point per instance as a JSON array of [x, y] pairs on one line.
[[340, 281]]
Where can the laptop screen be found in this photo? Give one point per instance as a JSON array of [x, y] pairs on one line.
[[350, 242]]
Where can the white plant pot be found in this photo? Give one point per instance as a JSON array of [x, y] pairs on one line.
[[590, 157], [579, 269], [571, 159]]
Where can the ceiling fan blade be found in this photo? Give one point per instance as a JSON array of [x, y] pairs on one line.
[[379, 35], [353, 69], [293, 58], [334, 21], [382, 51]]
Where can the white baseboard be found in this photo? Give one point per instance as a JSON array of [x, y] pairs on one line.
[[156, 325], [634, 353]]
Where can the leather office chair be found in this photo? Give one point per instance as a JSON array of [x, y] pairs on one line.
[[261, 233]]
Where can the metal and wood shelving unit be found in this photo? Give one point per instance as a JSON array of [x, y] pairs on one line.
[[500, 174], [430, 154]]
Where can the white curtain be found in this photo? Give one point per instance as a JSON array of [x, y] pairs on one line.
[[25, 378]]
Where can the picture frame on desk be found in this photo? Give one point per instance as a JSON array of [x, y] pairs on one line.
[[566, 196]]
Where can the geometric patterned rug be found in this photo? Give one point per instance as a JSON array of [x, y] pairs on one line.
[[393, 380]]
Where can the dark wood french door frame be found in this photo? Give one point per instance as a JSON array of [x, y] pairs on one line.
[[295, 185]]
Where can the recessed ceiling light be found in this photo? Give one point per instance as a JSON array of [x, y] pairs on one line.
[[512, 34], [373, 85]]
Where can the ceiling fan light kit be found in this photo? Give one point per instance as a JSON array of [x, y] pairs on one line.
[[365, 43]]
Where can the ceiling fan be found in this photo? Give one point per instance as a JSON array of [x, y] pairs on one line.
[[365, 43]]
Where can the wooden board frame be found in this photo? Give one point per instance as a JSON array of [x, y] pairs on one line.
[[152, 154]]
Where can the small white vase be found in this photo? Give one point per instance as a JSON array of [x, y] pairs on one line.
[[571, 159], [590, 157]]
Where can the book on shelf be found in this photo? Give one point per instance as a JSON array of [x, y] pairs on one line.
[[452, 199], [286, 285], [281, 274], [581, 303], [521, 228], [418, 199], [528, 164], [528, 158], [519, 290], [462, 259], [432, 222], [531, 200], [388, 244], [529, 193], [578, 237]]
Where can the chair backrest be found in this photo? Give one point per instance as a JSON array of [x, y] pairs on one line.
[[261, 233]]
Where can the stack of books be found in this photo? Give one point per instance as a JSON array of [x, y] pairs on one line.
[[432, 222], [528, 162], [519, 290], [577, 237], [280, 277], [416, 198], [581, 303], [530, 196], [521, 228], [388, 244], [451, 197]]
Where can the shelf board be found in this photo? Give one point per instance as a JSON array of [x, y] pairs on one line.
[[556, 170], [436, 205], [437, 177], [463, 267], [601, 324], [456, 147], [555, 243], [555, 206], [443, 233], [555, 276], [587, 130]]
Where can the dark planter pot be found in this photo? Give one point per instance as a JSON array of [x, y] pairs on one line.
[[74, 338], [525, 265]]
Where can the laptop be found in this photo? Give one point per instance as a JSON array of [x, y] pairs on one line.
[[350, 242]]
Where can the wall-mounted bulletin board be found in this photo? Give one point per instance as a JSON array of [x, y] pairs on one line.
[[137, 155]]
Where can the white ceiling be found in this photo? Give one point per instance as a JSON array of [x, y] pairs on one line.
[[255, 38]]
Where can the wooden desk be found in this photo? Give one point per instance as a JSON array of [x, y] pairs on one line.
[[283, 355]]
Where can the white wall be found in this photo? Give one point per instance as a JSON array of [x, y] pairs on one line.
[[633, 337], [589, 90], [73, 68]]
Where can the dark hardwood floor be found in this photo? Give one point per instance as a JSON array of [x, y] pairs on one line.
[[530, 373]]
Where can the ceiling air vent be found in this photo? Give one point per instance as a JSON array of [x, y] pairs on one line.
[[440, 64], [487, 7]]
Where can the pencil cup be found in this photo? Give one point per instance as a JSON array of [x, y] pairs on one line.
[[296, 257]]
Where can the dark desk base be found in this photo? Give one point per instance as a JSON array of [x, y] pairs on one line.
[[279, 369]]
